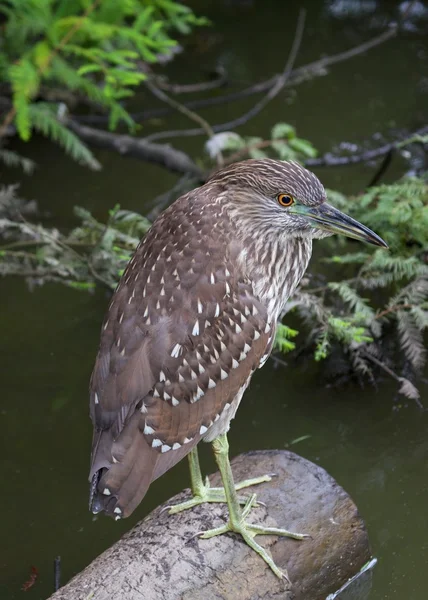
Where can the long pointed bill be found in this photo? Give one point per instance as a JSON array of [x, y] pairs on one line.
[[330, 219]]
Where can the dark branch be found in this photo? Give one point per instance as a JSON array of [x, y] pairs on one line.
[[382, 169], [161, 154], [161, 95], [191, 88]]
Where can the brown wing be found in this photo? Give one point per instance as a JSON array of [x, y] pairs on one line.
[[182, 337]]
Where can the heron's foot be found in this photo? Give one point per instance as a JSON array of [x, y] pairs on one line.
[[248, 531], [205, 493]]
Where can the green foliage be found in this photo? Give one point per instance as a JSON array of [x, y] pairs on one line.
[[283, 144], [380, 314], [44, 120], [283, 338], [97, 50]]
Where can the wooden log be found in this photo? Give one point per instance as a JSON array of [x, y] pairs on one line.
[[162, 559]]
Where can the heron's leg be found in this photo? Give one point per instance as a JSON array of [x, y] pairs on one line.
[[237, 522], [202, 492]]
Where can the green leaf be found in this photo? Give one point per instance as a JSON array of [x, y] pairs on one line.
[[303, 147], [283, 130], [89, 68]]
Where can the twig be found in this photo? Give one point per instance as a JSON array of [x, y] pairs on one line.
[[392, 309], [190, 88], [185, 111], [383, 167], [46, 64]]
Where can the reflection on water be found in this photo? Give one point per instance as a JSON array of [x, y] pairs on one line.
[[49, 336]]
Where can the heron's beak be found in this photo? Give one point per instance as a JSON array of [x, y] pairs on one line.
[[330, 219]]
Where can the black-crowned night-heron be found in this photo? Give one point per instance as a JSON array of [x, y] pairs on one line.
[[192, 318]]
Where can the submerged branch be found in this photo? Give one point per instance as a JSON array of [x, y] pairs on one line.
[[332, 160]]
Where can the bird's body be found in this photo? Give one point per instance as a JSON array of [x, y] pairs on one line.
[[192, 318]]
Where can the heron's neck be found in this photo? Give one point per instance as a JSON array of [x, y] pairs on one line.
[[275, 264]]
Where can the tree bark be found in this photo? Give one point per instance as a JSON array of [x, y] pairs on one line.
[[163, 559]]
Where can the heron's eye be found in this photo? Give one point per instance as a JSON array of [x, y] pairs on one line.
[[285, 200]]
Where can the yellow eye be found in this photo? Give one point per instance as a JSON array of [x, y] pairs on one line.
[[285, 200]]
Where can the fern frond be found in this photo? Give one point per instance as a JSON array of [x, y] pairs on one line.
[[45, 121], [24, 80], [358, 304], [411, 339], [283, 338], [408, 389], [13, 159], [398, 266]]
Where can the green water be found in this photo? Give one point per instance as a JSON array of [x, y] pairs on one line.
[[375, 448]]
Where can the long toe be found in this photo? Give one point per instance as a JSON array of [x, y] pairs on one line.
[[210, 495], [248, 531]]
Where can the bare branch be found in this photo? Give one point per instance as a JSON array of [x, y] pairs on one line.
[[273, 91], [191, 88], [316, 68], [185, 111], [161, 154]]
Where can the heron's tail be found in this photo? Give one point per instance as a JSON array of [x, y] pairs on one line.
[[121, 470]]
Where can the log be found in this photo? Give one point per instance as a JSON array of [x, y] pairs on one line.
[[162, 559]]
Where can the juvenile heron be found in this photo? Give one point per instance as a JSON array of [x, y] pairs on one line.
[[192, 318]]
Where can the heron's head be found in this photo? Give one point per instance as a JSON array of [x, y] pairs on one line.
[[285, 196]]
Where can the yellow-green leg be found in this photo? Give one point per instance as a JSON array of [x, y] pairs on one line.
[[237, 516], [202, 492]]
